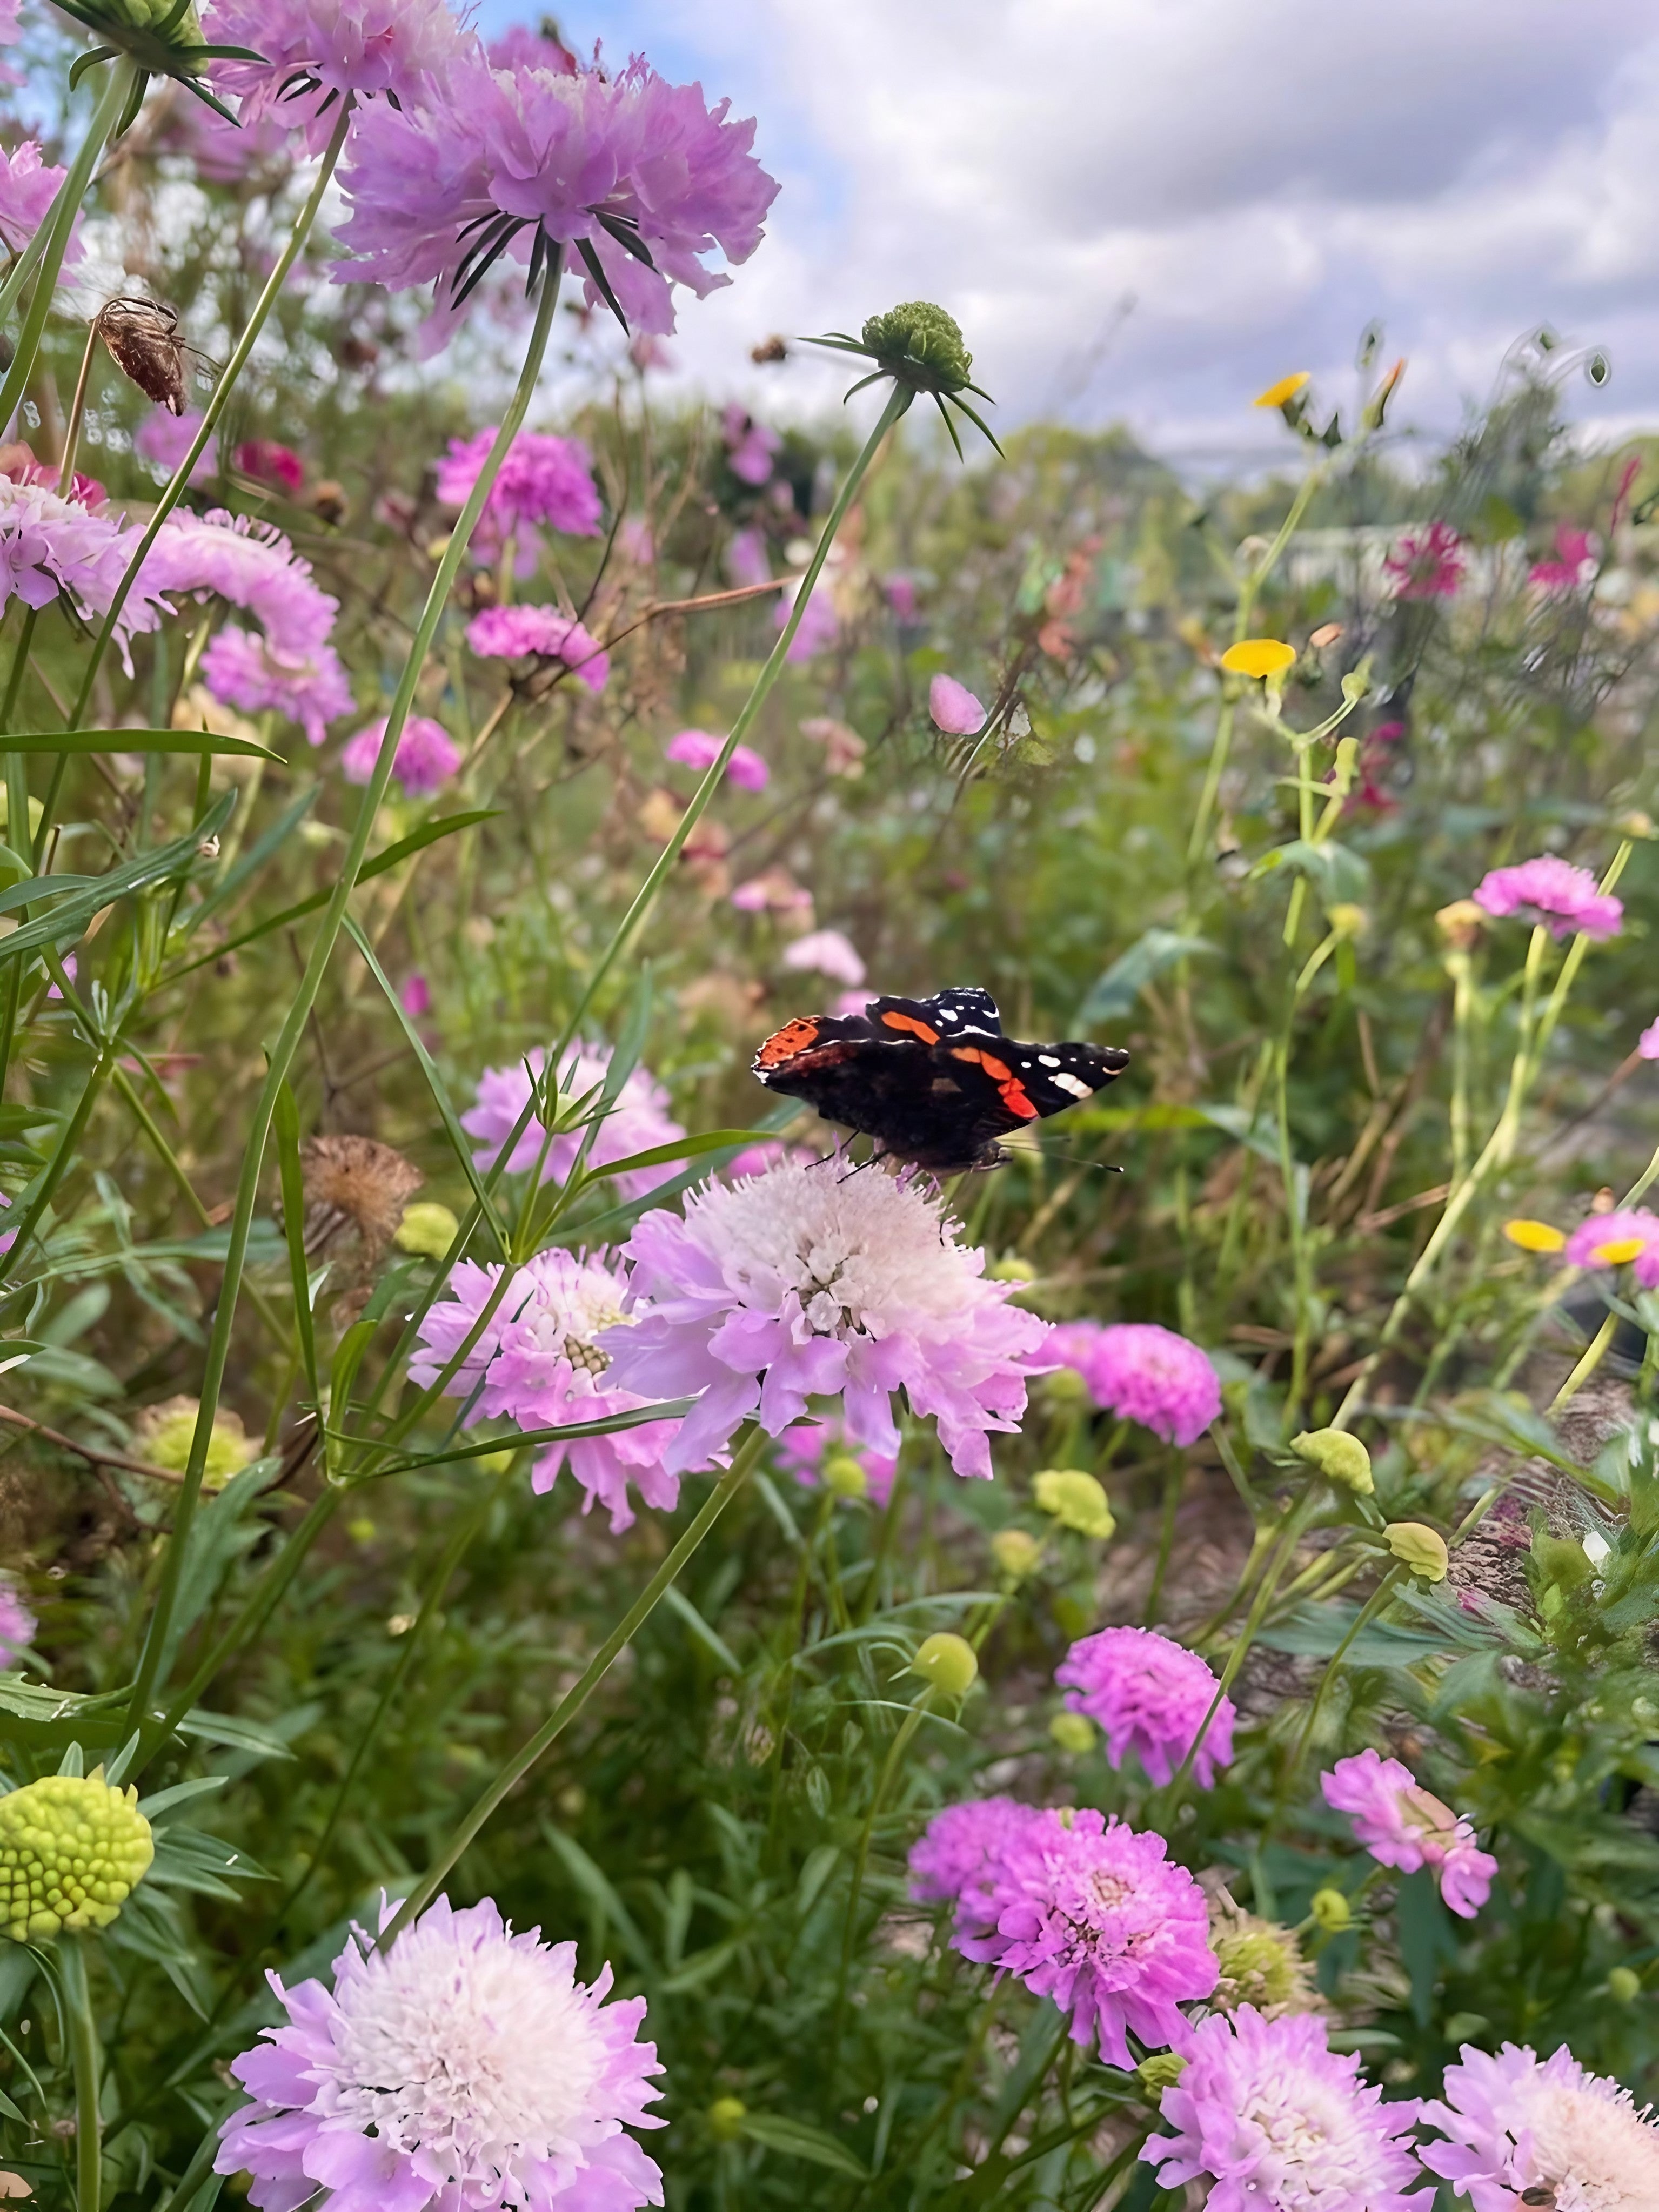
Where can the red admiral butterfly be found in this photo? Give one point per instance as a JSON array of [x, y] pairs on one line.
[[932, 1080]]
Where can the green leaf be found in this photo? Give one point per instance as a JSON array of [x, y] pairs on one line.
[[1112, 995], [136, 741], [684, 1148], [1339, 876], [286, 1119], [796, 2139], [70, 918], [677, 1602]]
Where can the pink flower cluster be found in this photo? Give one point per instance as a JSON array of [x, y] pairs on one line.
[[426, 758], [1142, 1372], [49, 546], [1570, 566], [1150, 1698], [1427, 564], [512, 633], [638, 1122], [1402, 1825], [1554, 890], [317, 53], [960, 1847], [701, 749], [1609, 1240], [544, 479]]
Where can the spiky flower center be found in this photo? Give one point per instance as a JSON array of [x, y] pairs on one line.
[[71, 1848]]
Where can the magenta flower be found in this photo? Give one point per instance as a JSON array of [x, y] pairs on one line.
[[800, 1452], [318, 52], [825, 953], [20, 465], [163, 440], [576, 161], [1524, 2131], [17, 1623], [426, 758], [1402, 1825], [963, 1845], [638, 1122], [820, 624], [509, 633], [1149, 1696], [464, 2068], [538, 1363], [1427, 564], [49, 546], [1270, 2116], [1144, 1373], [543, 479], [1554, 890], [1091, 1913], [269, 463], [750, 446], [805, 1283], [954, 709], [415, 997], [755, 1159], [901, 595], [253, 566], [245, 671], [700, 749], [28, 186], [1609, 1240], [1570, 569], [1647, 1044]]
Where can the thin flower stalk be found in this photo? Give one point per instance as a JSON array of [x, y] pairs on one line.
[[87, 2062]]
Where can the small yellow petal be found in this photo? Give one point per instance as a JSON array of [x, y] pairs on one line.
[[1533, 1235], [1258, 656], [1620, 1250], [1287, 388]]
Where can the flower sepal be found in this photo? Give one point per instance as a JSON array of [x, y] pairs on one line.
[[923, 350]]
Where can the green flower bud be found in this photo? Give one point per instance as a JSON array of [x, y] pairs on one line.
[[1017, 1552], [1010, 1268], [844, 1475], [1261, 1964], [920, 345], [1160, 2072], [1624, 1985], [1331, 1911], [163, 1434], [1072, 1732], [1423, 1549], [1076, 1500], [1337, 1456], [947, 1661], [1065, 1389], [71, 1850], [725, 2117], [1560, 1560], [426, 1228]]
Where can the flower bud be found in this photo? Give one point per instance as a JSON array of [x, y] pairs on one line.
[[725, 2117], [1624, 1985], [1010, 1268], [1337, 1456], [1065, 1390], [1017, 1554], [426, 1228], [1076, 1500], [1331, 1911], [1287, 388], [163, 1435], [1421, 1548], [1635, 824], [919, 344], [1072, 1732], [1160, 2072], [1461, 923], [71, 1850], [844, 1475], [947, 1661], [1348, 920]]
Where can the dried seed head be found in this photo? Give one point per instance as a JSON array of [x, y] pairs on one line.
[[144, 342], [354, 1182]]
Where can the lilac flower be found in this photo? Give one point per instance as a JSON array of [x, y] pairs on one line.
[[1552, 890], [954, 709], [1144, 1373], [538, 1363], [415, 997], [17, 1623], [509, 633], [11, 1237], [1427, 564], [825, 953], [1091, 1913], [820, 624], [1609, 1240], [1523, 2131], [522, 46], [800, 1452], [510, 156], [318, 52], [776, 891], [960, 1847], [543, 479], [163, 440], [10, 31], [1149, 1696], [899, 591], [426, 758], [49, 546], [464, 2068], [1270, 2116], [245, 672], [638, 1122], [799, 1284], [1569, 568], [750, 446], [1402, 1825], [700, 749], [746, 558], [755, 1159], [28, 186], [1647, 1044], [223, 153]]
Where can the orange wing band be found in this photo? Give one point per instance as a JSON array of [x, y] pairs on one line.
[[1009, 1089]]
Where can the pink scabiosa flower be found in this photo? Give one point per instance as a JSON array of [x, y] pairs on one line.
[[1090, 1913], [49, 546], [163, 440], [1569, 568], [826, 952], [1522, 2130], [638, 1122], [544, 479], [464, 2068], [245, 671], [318, 54], [1427, 564], [700, 749], [954, 709], [800, 1452], [1402, 1825], [17, 1623], [28, 186], [750, 446], [776, 891], [820, 626], [1552, 890], [959, 1850], [746, 558], [510, 633], [10, 31], [427, 755], [899, 591], [538, 1363], [1611, 1240], [1149, 1696], [1275, 2121], [804, 1283], [1647, 1045], [512, 161], [1144, 1373]]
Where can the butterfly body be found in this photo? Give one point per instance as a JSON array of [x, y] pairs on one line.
[[934, 1081]]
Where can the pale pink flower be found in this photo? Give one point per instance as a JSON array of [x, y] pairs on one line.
[[1427, 564], [543, 479], [1402, 1825], [1143, 1372], [320, 52], [1648, 1043], [1552, 889], [426, 758], [954, 709], [10, 31], [1610, 1240], [825, 953], [28, 186], [510, 633], [1149, 1697], [961, 1846], [776, 891], [49, 546], [638, 1122], [820, 624], [163, 440], [17, 1622], [1569, 568], [246, 671], [749, 445], [700, 749], [252, 565], [1274, 2120], [1521, 2130], [254, 155], [746, 558], [900, 593], [646, 353], [799, 1451]]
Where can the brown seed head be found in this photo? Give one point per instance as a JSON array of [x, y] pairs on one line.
[[354, 1182]]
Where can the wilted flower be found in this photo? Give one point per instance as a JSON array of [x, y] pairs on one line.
[[954, 709], [1569, 568], [163, 440], [72, 1847], [1523, 2131], [1402, 1825], [17, 1623], [701, 749], [825, 953], [798, 1284], [426, 758], [1427, 564], [958, 1849], [1144, 1373], [544, 479], [1271, 2116], [1552, 889], [318, 54], [1630, 1235], [357, 1184], [509, 633], [638, 1122], [28, 186], [163, 1435], [1149, 1696], [1091, 1913], [809, 1447], [464, 2066]]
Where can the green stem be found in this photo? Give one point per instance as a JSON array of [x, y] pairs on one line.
[[62, 1159], [1291, 1529], [572, 1703], [1367, 1613], [896, 1752], [88, 2065], [1172, 1481], [299, 1013], [1592, 1358]]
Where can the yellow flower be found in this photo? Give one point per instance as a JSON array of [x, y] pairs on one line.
[[1421, 1548], [1287, 388], [1619, 1250], [1535, 1236], [1076, 1500], [1258, 656]]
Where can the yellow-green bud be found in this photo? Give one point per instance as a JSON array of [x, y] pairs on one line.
[[1331, 1911], [1160, 2072], [1337, 1456], [1076, 1500], [71, 1850], [725, 2117], [1010, 1268], [496, 1462], [1262, 1964], [919, 344], [1423, 1549], [1624, 1985], [163, 1434], [1072, 1732], [947, 1661], [1017, 1552], [844, 1475], [1348, 920], [1065, 1389], [426, 1228]]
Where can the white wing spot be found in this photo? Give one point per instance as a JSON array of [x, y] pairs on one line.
[[1046, 1060], [1077, 1088]]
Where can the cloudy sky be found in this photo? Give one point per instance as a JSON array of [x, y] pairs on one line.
[[1144, 210]]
